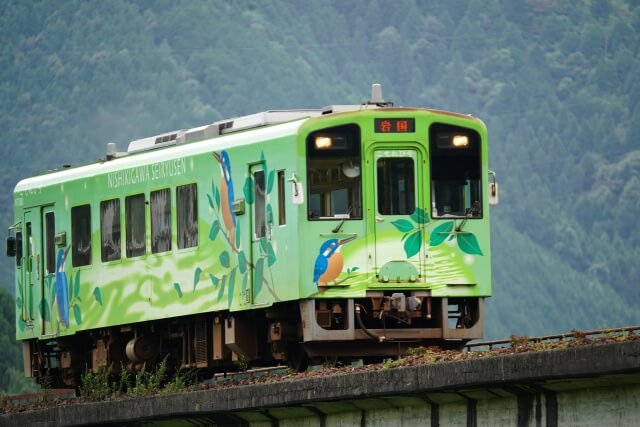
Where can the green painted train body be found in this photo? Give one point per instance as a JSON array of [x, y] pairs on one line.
[[321, 233]]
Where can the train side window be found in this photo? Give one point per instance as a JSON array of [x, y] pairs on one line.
[[160, 221], [333, 173], [50, 244], [259, 201], [282, 214], [396, 186], [135, 225], [81, 235], [187, 207], [455, 172], [110, 229]]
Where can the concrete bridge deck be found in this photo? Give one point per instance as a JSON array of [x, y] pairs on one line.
[[591, 385]]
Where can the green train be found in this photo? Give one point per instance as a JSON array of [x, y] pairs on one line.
[[289, 236]]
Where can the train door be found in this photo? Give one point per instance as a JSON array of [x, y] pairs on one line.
[[399, 215], [47, 284], [260, 233], [32, 275]]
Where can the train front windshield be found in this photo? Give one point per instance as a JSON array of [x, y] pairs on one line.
[[455, 172], [333, 164]]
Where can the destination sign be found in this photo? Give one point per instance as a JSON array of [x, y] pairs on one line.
[[394, 125]]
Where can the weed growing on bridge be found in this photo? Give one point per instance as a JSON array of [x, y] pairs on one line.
[[96, 386], [99, 386], [391, 363], [148, 382], [181, 381], [516, 341], [427, 354]]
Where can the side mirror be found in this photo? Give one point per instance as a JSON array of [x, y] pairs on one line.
[[493, 188], [11, 246]]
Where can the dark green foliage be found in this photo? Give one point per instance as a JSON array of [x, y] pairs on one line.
[[12, 380], [557, 84]]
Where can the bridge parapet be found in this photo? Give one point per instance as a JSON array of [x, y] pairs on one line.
[[588, 385]]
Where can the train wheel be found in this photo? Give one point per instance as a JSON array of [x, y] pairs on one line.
[[297, 358]]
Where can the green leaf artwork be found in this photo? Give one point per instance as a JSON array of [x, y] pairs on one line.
[[264, 245], [402, 225], [242, 262], [196, 277], [222, 286], [469, 244], [217, 196], [248, 190], [270, 181], [267, 250], [76, 286], [232, 281], [237, 233], [271, 256], [258, 276], [97, 295], [176, 286], [440, 233], [225, 259], [77, 314], [413, 243], [210, 200], [214, 280], [215, 228], [420, 216], [269, 214]]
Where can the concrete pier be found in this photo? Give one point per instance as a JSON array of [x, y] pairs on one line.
[[592, 385]]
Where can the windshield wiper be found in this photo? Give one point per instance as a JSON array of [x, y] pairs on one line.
[[346, 215], [474, 208]]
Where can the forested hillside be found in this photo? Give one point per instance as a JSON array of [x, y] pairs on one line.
[[556, 81]]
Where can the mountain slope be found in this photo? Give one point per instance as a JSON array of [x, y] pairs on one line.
[[556, 82]]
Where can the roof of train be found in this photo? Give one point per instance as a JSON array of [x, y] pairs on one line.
[[261, 131], [159, 155]]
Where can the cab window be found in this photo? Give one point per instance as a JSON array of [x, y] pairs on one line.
[[455, 172], [333, 173]]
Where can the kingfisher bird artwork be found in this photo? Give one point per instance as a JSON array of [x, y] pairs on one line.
[[329, 262], [62, 288], [226, 194]]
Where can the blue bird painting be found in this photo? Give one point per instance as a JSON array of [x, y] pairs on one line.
[[62, 289], [329, 262], [226, 194]]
